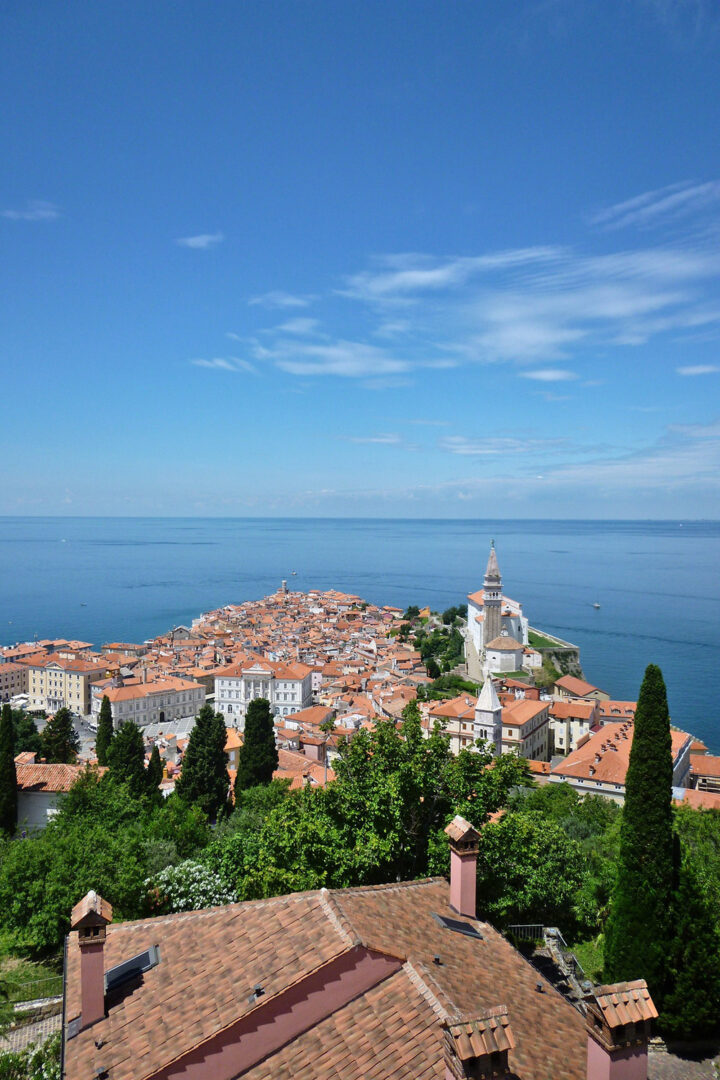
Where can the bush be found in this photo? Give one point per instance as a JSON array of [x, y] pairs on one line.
[[187, 887]]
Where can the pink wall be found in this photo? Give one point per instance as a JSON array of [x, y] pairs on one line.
[[628, 1064], [92, 987], [267, 1027], [463, 883]]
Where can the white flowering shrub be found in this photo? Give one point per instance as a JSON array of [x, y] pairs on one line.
[[186, 887]]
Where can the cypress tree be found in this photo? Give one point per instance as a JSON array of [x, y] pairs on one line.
[[154, 773], [126, 758], [8, 776], [104, 731], [204, 779], [639, 927], [258, 756], [60, 742]]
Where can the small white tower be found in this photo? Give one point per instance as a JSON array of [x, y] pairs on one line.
[[488, 716]]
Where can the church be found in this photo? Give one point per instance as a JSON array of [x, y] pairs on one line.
[[497, 630]]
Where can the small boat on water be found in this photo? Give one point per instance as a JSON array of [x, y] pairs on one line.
[[596, 605]]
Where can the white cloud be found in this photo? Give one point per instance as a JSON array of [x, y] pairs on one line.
[[389, 439], [698, 369], [548, 374], [35, 210], [496, 445], [299, 326], [349, 359], [653, 207], [222, 363], [201, 242], [276, 298]]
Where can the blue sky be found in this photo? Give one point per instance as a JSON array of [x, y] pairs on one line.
[[455, 259]]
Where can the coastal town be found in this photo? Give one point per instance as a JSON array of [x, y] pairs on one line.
[[330, 664], [327, 972]]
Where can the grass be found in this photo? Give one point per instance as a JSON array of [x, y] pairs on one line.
[[539, 641], [27, 979], [590, 958]]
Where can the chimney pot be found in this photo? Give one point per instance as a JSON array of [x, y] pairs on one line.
[[90, 917]]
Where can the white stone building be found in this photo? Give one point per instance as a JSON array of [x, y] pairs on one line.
[[491, 614], [288, 688]]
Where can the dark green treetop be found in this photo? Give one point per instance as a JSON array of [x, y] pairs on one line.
[[204, 780], [104, 731], [8, 776], [59, 740], [258, 756], [639, 926], [126, 758]]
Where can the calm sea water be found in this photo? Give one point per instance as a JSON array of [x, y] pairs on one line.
[[658, 583]]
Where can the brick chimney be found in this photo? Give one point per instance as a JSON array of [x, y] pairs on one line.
[[90, 917], [463, 865], [619, 1021]]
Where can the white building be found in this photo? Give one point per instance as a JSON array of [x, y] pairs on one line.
[[156, 701], [490, 615], [288, 688]]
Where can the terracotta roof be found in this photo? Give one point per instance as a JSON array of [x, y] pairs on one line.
[[42, 777], [578, 687], [90, 911], [211, 960], [625, 1003], [705, 764], [605, 755], [698, 799], [483, 1035], [460, 829], [504, 644]]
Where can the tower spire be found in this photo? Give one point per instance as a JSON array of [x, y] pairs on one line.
[[492, 594]]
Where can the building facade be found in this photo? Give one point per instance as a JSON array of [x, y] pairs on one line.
[[156, 701], [288, 688], [490, 615], [63, 682]]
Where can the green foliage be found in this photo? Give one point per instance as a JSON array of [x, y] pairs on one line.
[[444, 645], [59, 740], [380, 820], [154, 772], [547, 675], [258, 756], [102, 838], [34, 1063], [104, 731], [639, 926], [126, 758], [448, 686], [453, 614], [8, 776], [528, 870], [539, 641], [413, 612], [186, 887], [204, 779], [27, 736], [432, 668]]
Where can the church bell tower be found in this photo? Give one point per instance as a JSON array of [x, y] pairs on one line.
[[492, 598]]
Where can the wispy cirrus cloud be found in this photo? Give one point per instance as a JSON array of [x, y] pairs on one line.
[[494, 445], [34, 210], [348, 359], [387, 439], [698, 369], [276, 298], [656, 207], [229, 363], [201, 242]]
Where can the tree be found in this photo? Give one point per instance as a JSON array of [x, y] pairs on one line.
[[8, 776], [59, 740], [204, 780], [528, 871], [27, 736], [258, 756], [639, 927], [413, 612], [432, 668], [154, 771], [126, 758], [104, 731]]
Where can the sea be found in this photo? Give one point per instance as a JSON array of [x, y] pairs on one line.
[[657, 583]]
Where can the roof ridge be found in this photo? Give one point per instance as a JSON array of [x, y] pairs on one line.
[[418, 980], [338, 919]]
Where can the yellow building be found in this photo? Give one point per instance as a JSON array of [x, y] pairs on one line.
[[58, 682]]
